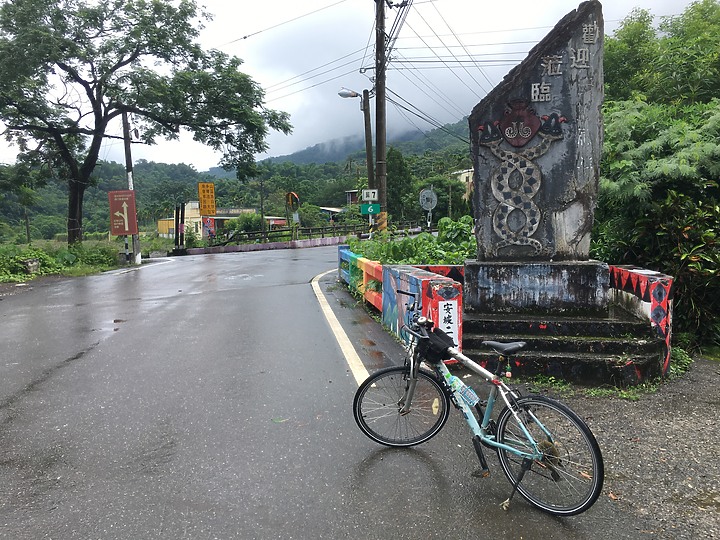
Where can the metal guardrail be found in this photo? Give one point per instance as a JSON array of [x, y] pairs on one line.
[[281, 234]]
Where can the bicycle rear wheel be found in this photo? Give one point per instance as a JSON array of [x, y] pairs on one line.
[[569, 477], [377, 407]]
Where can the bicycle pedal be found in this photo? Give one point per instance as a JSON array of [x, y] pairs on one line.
[[480, 473]]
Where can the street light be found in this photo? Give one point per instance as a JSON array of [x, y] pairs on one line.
[[365, 108]]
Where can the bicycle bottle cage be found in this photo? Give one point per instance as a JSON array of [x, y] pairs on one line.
[[439, 342]]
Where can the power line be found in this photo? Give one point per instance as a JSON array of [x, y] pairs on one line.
[[483, 45], [482, 72], [451, 70], [427, 82], [418, 63], [450, 51], [282, 85], [345, 74], [283, 23], [424, 116]]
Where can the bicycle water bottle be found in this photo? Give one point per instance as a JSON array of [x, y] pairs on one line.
[[466, 393]]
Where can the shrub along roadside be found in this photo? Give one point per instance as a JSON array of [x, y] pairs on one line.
[[454, 244], [56, 258]]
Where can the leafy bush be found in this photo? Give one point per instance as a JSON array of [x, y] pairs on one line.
[[312, 216], [12, 267], [55, 259], [101, 255], [193, 240], [682, 236], [155, 243], [659, 204], [454, 244]]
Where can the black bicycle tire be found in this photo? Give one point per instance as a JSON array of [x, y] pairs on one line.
[[404, 426], [568, 482]]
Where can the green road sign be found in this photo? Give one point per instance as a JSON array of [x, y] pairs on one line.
[[366, 209]]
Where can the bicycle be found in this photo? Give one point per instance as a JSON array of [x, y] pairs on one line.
[[547, 452]]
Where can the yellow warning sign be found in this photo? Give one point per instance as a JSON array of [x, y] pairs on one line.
[[206, 195]]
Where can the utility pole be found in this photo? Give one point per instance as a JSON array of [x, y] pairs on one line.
[[129, 168], [380, 112], [365, 105]]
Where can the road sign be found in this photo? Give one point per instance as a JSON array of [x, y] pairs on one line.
[[123, 217], [370, 195], [428, 199], [206, 194], [371, 209]]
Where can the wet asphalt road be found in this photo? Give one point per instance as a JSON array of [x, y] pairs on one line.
[[206, 397]]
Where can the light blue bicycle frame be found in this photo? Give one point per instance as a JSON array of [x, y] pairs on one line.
[[498, 388]]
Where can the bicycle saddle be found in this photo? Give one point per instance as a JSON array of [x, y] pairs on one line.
[[505, 348]]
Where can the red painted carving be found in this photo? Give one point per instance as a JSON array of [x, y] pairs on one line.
[[520, 123]]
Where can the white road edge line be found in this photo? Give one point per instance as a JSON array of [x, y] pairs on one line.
[[351, 356], [120, 271]]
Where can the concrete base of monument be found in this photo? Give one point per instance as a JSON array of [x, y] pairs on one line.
[[562, 311], [537, 287]]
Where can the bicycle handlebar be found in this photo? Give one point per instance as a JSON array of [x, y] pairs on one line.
[[420, 335]]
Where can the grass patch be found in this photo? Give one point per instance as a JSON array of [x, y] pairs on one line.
[[545, 382], [631, 393]]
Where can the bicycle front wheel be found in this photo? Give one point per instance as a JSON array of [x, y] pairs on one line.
[[378, 403], [567, 480]]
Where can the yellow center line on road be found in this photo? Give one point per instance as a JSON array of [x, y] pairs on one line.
[[351, 356]]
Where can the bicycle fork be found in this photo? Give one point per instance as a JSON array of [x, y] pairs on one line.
[[406, 401]]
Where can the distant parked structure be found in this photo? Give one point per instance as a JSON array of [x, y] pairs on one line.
[[466, 177], [203, 226]]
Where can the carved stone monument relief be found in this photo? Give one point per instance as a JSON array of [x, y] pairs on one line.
[[536, 144]]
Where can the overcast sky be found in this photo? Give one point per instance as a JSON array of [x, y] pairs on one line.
[[303, 53]]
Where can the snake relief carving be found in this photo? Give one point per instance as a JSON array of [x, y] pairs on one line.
[[517, 179]]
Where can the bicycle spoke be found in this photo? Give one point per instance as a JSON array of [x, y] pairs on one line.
[[380, 415], [567, 478]]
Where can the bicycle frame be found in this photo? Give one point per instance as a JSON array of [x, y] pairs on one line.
[[402, 406], [498, 388]]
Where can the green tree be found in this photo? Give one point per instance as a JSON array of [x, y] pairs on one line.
[[687, 66], [679, 62], [400, 191], [20, 182], [659, 204], [628, 53], [69, 68], [245, 223], [312, 216]]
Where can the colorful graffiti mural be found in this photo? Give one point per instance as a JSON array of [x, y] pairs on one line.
[[655, 291], [441, 299]]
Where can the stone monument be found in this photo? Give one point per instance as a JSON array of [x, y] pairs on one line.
[[536, 145]]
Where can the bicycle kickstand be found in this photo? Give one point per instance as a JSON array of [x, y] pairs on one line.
[[526, 464]]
